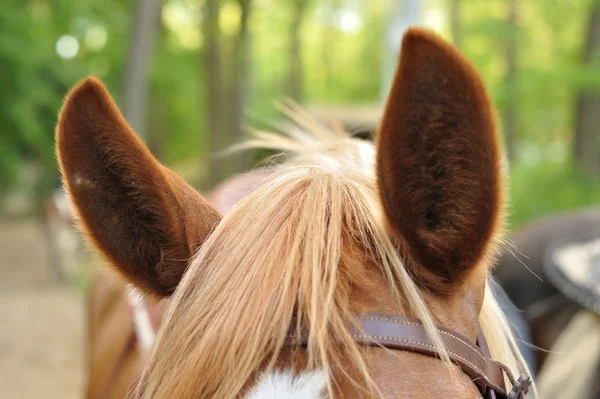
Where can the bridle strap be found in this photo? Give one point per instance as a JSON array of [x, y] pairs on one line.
[[482, 344], [410, 335], [402, 333]]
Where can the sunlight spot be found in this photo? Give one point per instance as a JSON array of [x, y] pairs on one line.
[[67, 47], [174, 15], [230, 17], [190, 39], [96, 38], [182, 20], [348, 21], [435, 19]]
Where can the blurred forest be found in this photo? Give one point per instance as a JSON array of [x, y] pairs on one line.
[[188, 74]]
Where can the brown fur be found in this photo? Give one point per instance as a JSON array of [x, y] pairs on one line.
[[114, 361], [114, 364], [144, 218], [440, 182], [439, 161]]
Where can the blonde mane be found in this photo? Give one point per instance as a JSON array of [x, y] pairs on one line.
[[293, 248]]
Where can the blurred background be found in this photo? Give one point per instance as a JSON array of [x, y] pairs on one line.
[[190, 74]]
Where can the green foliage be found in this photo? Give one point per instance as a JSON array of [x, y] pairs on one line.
[[538, 190], [34, 78], [177, 106], [549, 73], [341, 46]]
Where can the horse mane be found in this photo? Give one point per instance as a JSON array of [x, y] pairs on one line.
[[291, 250]]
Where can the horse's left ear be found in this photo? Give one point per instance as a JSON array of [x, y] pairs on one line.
[[439, 162], [141, 216]]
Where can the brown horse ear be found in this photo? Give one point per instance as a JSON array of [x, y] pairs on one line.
[[141, 216], [439, 161]]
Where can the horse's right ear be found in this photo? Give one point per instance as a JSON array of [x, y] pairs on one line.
[[439, 162], [141, 216]]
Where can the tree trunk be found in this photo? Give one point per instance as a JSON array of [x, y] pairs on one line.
[[587, 135], [455, 22], [295, 80], [402, 15], [141, 48], [509, 112], [239, 85], [218, 167]]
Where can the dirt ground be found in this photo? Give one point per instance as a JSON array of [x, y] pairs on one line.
[[41, 322]]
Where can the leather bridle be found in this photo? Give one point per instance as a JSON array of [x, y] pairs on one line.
[[402, 333], [406, 334]]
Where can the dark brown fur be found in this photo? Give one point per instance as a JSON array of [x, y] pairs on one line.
[[114, 360], [439, 161], [143, 218]]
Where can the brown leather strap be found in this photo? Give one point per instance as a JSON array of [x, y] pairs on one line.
[[482, 344], [407, 334]]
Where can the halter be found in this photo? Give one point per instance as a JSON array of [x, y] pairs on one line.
[[402, 333]]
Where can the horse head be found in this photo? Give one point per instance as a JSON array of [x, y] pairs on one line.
[[272, 295]]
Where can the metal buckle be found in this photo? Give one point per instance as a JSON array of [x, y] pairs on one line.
[[520, 387]]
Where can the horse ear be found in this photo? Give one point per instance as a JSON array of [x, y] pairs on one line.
[[141, 216], [439, 161]]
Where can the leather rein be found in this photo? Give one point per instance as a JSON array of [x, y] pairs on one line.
[[406, 334]]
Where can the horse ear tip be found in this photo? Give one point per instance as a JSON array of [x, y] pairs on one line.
[[86, 90], [89, 90], [416, 36], [88, 85]]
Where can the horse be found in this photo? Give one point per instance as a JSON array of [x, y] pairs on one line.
[[354, 269], [122, 325]]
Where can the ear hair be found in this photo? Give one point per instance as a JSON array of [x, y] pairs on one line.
[[141, 216], [439, 161]]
